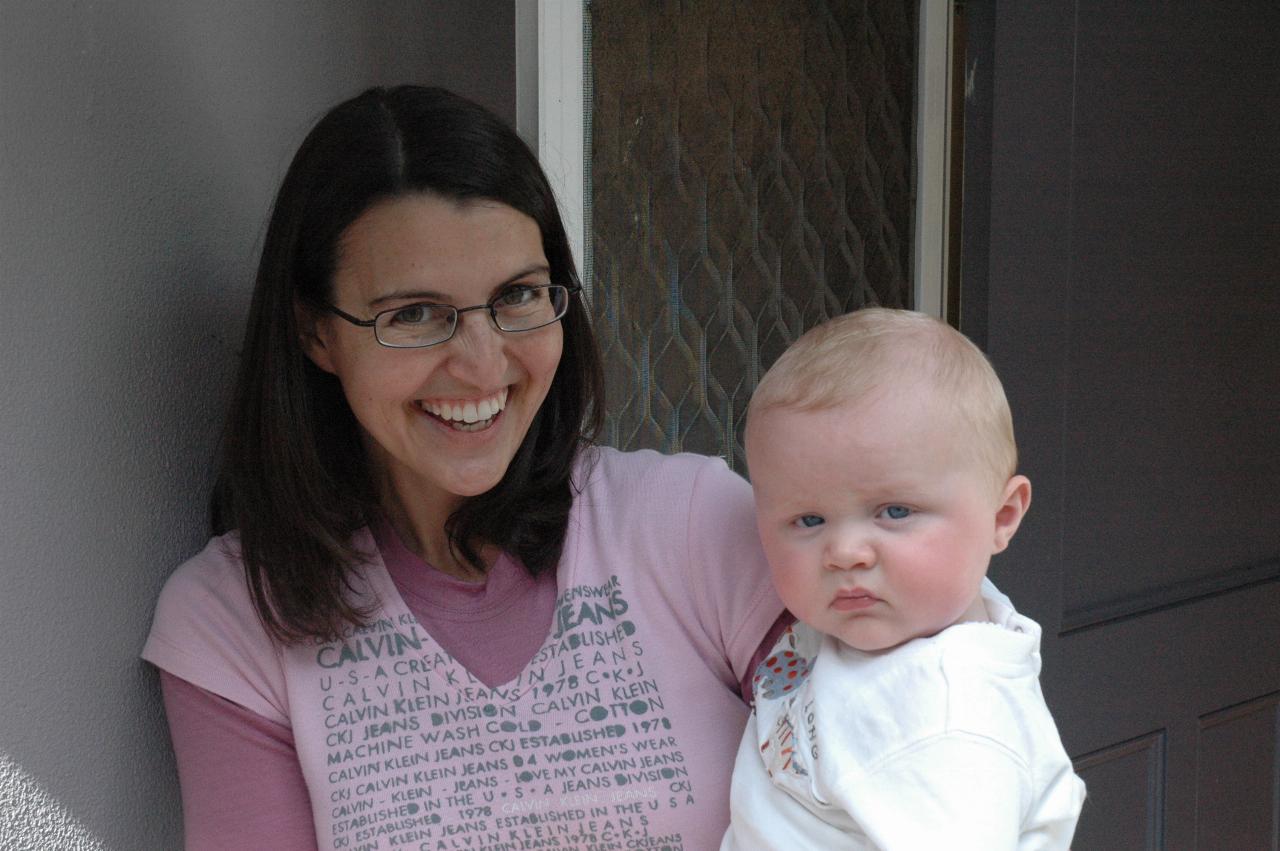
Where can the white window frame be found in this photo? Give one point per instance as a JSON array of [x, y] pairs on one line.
[[550, 87]]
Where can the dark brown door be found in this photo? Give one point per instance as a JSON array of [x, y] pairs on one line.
[[1126, 282]]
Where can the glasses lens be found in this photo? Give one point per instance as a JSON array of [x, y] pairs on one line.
[[416, 325], [526, 308]]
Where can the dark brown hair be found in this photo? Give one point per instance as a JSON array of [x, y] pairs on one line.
[[293, 477]]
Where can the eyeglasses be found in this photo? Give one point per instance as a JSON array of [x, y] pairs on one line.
[[423, 323]]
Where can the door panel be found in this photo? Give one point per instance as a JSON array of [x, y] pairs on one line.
[[1236, 785], [1125, 784], [1131, 304]]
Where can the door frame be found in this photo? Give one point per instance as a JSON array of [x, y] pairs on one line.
[[934, 42]]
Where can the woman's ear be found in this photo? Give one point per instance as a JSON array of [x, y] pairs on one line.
[[313, 336], [1014, 502]]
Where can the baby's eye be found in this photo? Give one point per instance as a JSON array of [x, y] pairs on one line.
[[897, 512], [808, 521]]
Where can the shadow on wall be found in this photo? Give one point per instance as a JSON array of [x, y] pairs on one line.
[[31, 820], [140, 145]]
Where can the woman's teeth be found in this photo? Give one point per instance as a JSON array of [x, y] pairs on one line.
[[467, 416]]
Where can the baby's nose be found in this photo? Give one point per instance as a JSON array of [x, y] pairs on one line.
[[850, 551]]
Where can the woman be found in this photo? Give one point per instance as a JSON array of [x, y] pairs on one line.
[[435, 615]]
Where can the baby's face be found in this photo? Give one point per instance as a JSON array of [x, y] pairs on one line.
[[877, 528]]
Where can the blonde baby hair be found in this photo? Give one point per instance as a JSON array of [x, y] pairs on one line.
[[848, 358]]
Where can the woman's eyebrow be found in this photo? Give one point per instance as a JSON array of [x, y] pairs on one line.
[[433, 295], [401, 295], [536, 268]]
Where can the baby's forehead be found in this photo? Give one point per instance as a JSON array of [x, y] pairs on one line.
[[881, 428], [910, 396]]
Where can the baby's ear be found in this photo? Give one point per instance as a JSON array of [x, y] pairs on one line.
[[1014, 502]]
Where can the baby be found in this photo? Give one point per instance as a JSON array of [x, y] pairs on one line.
[[903, 711]]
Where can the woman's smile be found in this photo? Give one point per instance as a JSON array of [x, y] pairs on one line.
[[466, 414]]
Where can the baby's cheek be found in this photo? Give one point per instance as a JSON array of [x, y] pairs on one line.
[[794, 585], [788, 583]]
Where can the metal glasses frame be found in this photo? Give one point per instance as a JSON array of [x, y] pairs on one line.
[[490, 305]]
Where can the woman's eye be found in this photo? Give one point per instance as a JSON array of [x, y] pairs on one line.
[[808, 521], [897, 512], [517, 297], [415, 314]]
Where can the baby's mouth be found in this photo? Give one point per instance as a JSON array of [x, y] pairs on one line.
[[468, 415], [852, 599]]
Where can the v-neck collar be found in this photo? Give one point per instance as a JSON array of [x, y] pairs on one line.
[[398, 576]]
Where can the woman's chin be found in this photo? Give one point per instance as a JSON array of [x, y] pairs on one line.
[[469, 483]]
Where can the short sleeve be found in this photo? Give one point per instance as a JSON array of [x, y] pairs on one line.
[[206, 631], [730, 577]]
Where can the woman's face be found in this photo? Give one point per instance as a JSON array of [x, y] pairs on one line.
[[412, 404]]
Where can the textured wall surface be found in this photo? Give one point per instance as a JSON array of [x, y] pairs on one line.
[[751, 176], [140, 144]]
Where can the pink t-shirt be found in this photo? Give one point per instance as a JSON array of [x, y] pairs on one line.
[[621, 728], [489, 627]]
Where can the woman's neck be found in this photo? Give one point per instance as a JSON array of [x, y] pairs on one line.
[[420, 525]]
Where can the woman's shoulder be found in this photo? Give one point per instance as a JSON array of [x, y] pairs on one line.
[[215, 572], [206, 631], [642, 492], [206, 589], [616, 469]]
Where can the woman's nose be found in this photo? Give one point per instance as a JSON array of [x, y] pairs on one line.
[[478, 349]]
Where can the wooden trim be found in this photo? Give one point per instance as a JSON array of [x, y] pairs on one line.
[[1233, 579], [933, 111]]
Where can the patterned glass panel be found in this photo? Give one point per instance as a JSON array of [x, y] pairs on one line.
[[751, 176]]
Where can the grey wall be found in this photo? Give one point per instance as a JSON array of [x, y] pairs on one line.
[[140, 144]]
